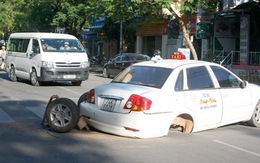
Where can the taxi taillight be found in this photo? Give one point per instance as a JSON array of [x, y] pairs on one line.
[[132, 63], [138, 103], [91, 96]]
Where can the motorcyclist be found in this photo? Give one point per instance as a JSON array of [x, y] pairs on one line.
[[157, 55], [2, 58]]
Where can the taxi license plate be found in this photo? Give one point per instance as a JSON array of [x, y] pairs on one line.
[[69, 76], [108, 105]]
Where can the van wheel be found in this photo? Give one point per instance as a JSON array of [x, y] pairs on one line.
[[76, 83], [12, 74], [62, 115], [34, 78]]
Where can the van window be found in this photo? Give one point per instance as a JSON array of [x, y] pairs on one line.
[[36, 47], [18, 45], [61, 45]]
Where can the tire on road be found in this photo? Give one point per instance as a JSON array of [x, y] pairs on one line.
[[255, 119], [76, 83], [12, 74], [34, 78], [62, 115]]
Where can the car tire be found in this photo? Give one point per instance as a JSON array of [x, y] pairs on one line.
[[105, 74], [62, 115], [76, 83], [82, 98], [34, 78], [12, 74], [255, 119]]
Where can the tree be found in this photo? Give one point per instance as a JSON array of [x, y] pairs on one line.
[[144, 10], [128, 13], [9, 11], [73, 15], [38, 16], [179, 8]]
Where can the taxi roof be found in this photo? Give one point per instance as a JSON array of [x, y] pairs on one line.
[[171, 63]]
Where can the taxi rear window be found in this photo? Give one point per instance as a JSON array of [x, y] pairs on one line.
[[144, 75]]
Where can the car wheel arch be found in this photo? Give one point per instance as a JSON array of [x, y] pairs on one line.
[[183, 123]]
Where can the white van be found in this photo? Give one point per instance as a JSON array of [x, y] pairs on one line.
[[41, 57]]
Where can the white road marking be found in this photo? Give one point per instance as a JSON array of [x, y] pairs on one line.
[[238, 148], [4, 117]]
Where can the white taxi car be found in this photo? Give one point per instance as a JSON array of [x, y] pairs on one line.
[[149, 98]]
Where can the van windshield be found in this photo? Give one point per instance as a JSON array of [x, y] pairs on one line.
[[61, 45]]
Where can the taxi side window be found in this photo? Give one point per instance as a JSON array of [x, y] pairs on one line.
[[179, 82], [225, 79], [199, 78]]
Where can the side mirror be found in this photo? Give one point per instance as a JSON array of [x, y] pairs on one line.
[[243, 84]]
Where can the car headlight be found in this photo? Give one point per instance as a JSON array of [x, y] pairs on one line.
[[47, 64], [85, 64]]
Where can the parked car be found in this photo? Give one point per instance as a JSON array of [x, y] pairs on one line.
[[121, 61], [150, 98]]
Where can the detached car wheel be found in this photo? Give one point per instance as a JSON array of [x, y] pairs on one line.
[[255, 119], [62, 115]]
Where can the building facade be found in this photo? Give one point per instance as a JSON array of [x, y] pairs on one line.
[[155, 35], [237, 34]]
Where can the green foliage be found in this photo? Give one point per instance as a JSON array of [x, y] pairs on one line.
[[129, 12], [203, 30], [8, 12], [73, 15], [38, 16]]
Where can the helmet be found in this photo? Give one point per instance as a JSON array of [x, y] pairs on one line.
[[157, 52]]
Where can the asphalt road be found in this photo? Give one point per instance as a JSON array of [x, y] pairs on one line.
[[22, 138]]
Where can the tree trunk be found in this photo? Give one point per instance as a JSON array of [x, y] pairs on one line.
[[175, 10], [187, 38]]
